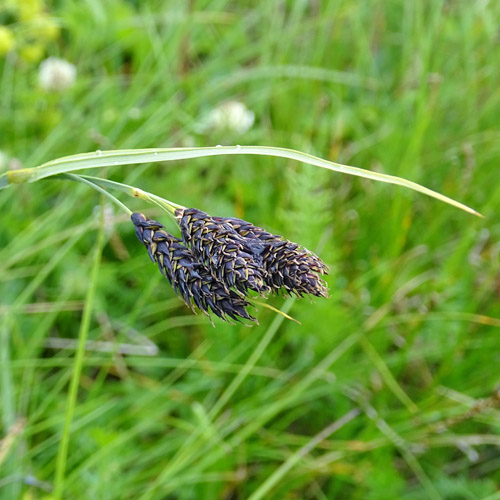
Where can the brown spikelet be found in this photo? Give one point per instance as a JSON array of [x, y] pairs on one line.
[[232, 259], [287, 264], [191, 280]]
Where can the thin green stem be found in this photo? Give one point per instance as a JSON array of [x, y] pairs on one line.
[[62, 454], [98, 183], [274, 309], [81, 178], [263, 490], [167, 205], [252, 360]]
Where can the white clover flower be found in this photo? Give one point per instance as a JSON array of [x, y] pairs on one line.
[[56, 74], [230, 115]]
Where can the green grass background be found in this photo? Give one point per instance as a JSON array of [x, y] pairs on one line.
[[405, 342]]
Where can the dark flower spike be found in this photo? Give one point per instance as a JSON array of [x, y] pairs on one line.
[[248, 230], [293, 268], [287, 264], [190, 279], [231, 258]]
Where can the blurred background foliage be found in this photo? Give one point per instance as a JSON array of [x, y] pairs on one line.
[[408, 342]]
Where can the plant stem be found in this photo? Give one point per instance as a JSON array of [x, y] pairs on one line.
[[62, 454], [167, 205], [80, 178], [98, 183]]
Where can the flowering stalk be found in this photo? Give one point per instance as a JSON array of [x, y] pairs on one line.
[[220, 260], [98, 184]]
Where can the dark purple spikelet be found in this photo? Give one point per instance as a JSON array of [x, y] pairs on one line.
[[248, 230], [287, 264], [190, 279], [232, 259], [293, 268]]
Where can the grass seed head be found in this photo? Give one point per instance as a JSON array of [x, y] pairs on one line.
[[232, 259], [248, 230], [190, 279], [287, 265], [293, 268]]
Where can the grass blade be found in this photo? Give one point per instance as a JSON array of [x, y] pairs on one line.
[[293, 459], [102, 159], [75, 378], [81, 178]]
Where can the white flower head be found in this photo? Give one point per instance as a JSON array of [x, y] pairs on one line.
[[56, 74], [230, 115]]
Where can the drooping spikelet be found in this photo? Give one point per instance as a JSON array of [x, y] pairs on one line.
[[287, 264], [231, 258], [191, 280]]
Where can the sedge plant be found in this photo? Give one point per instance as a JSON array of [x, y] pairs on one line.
[[217, 261], [218, 264]]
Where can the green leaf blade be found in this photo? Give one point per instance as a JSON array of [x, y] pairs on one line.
[[101, 159]]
